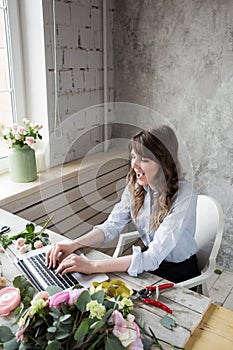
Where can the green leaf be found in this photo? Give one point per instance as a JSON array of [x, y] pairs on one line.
[[65, 309], [55, 311], [83, 300], [110, 304], [62, 335], [53, 290], [168, 322], [12, 344], [82, 330], [65, 317], [99, 296], [113, 343], [30, 227], [54, 345], [5, 334], [97, 325], [108, 314], [217, 271], [146, 343], [51, 329]]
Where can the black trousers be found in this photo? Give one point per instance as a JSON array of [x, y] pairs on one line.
[[178, 272]]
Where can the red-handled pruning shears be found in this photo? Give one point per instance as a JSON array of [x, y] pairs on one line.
[[145, 295]]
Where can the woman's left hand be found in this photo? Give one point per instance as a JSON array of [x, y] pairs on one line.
[[75, 263]]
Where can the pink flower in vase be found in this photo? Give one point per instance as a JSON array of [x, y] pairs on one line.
[[29, 140]]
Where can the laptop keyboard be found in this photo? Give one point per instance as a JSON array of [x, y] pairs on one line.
[[49, 275]]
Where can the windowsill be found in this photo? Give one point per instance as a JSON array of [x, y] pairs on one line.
[[11, 191]]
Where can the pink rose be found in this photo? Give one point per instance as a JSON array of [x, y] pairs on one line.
[[9, 300], [68, 296], [74, 294], [2, 281], [20, 242], [29, 140], [137, 344], [127, 331], [19, 333], [21, 130], [59, 298], [17, 137], [38, 244], [118, 320], [41, 295], [23, 249]]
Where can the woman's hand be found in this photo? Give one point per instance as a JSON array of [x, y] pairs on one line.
[[58, 253], [75, 263]]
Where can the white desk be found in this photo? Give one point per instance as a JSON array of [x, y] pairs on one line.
[[188, 307]]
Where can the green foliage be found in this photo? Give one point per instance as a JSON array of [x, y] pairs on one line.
[[27, 292], [168, 322], [57, 324], [30, 235]]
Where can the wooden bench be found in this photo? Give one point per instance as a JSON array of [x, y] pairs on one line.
[[78, 199]]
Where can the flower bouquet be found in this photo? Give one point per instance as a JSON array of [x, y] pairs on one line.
[[19, 136], [22, 160], [86, 319]]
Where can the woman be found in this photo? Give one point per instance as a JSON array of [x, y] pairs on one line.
[[163, 208]]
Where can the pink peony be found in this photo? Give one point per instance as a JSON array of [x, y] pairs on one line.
[[68, 296]]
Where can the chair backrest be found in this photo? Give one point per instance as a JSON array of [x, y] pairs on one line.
[[209, 229]]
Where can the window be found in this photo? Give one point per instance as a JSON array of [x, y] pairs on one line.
[[10, 69], [6, 85]]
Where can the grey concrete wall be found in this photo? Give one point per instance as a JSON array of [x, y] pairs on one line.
[[176, 57]]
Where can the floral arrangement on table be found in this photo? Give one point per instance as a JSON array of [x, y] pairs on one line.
[[28, 239], [100, 317], [17, 135]]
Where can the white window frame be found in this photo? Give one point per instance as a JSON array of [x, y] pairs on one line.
[[15, 66], [29, 70]]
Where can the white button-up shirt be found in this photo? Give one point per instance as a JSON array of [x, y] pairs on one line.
[[172, 241]]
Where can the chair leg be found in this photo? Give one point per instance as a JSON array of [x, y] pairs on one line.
[[205, 291]]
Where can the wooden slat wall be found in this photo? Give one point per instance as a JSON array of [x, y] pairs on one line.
[[78, 203]]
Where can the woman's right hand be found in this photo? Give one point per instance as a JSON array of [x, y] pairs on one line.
[[59, 252]]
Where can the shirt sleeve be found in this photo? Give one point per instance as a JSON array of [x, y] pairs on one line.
[[175, 234], [119, 217]]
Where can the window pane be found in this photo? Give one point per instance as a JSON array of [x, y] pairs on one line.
[[5, 108], [4, 75]]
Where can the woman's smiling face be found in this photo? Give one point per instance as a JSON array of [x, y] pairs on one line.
[[146, 169]]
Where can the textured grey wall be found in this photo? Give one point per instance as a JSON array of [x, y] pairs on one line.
[[176, 57]]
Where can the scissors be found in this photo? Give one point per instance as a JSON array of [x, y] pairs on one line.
[[4, 229], [145, 295]]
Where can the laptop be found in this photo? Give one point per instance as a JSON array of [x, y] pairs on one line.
[[33, 266]]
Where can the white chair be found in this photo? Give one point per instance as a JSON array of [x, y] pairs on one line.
[[209, 231]]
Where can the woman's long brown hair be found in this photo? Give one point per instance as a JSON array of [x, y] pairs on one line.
[[160, 145]]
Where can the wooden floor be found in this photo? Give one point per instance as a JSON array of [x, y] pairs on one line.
[[220, 288]]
